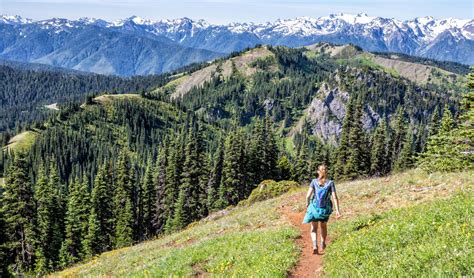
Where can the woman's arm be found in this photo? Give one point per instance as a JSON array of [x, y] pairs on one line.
[[336, 203], [308, 195]]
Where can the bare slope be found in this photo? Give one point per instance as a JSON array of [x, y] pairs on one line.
[[242, 63], [415, 72]]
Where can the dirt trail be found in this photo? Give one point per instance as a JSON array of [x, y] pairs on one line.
[[309, 264]]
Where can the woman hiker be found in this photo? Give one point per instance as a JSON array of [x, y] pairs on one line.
[[319, 207]]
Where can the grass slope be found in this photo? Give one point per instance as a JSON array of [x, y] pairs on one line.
[[386, 220], [434, 238], [22, 141], [252, 240]]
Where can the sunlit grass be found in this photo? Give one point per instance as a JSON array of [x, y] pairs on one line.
[[243, 240], [22, 141], [257, 240], [435, 238]]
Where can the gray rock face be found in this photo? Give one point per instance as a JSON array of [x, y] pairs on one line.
[[327, 111]]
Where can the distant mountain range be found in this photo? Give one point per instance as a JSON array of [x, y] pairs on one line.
[[136, 46]]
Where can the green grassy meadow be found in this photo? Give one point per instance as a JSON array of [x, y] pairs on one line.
[[406, 224]]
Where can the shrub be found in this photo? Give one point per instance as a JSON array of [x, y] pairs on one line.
[[268, 189]]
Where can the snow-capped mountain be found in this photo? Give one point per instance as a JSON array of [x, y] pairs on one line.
[[47, 41]]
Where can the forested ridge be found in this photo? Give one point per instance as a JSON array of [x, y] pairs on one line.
[[24, 92], [121, 169]]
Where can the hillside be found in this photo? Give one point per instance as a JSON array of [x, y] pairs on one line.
[[260, 239], [120, 169], [314, 88], [26, 88]]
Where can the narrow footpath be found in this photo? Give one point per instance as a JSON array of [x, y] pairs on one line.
[[309, 264]]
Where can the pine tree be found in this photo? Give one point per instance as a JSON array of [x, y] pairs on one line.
[[301, 171], [356, 164], [435, 122], [342, 152], [271, 151], [379, 150], [257, 168], [399, 133], [405, 159], [189, 206], [100, 231], [58, 212], [171, 185], [77, 219], [216, 178], [447, 122], [160, 214], [149, 201], [4, 249], [91, 239], [19, 214], [451, 149], [204, 172], [48, 228], [233, 171], [136, 202], [124, 226], [123, 207]]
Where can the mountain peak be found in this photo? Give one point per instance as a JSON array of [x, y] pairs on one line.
[[14, 19]]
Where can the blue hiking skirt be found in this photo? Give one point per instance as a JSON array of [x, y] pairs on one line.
[[313, 213]]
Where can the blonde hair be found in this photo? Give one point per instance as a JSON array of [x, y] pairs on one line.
[[326, 170]]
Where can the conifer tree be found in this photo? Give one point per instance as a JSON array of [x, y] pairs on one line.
[[435, 122], [271, 151], [302, 171], [216, 178], [136, 202], [356, 164], [399, 133], [124, 226], [379, 150], [19, 214], [447, 121], [451, 149], [100, 231], [91, 239], [77, 219], [48, 226], [171, 185], [189, 206], [149, 201], [257, 165], [160, 214], [343, 149], [123, 207], [233, 172], [405, 159], [204, 171], [4, 250]]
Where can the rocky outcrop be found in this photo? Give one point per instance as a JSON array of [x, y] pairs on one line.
[[327, 111]]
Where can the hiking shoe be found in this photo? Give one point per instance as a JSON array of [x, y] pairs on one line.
[[323, 246], [315, 251]]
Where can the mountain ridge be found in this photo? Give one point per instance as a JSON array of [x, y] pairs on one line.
[[423, 36]]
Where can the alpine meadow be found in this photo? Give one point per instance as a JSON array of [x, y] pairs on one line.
[[142, 148]]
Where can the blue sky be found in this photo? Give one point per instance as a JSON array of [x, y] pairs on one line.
[[225, 11]]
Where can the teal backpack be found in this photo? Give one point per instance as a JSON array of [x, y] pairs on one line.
[[320, 207]]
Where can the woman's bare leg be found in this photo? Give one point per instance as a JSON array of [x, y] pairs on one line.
[[324, 233], [314, 229]]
